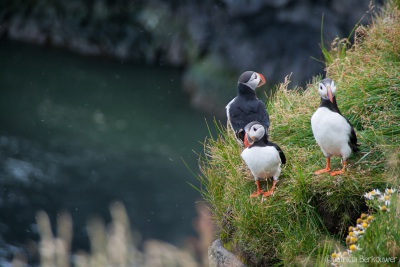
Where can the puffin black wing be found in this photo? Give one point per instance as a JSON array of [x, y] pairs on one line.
[[281, 154], [353, 138], [263, 115], [236, 119], [242, 111]]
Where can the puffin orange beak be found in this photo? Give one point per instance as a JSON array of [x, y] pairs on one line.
[[329, 93], [246, 142], [262, 81]]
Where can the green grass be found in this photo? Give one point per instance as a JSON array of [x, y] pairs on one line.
[[309, 215]]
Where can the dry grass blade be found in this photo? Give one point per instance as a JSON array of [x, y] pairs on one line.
[[114, 245]]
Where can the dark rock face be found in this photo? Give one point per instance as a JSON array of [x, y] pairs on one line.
[[275, 37]]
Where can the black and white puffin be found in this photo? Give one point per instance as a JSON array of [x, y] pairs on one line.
[[262, 157], [333, 132], [246, 107]]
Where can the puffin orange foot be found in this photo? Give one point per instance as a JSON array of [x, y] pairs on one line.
[[257, 193], [327, 167], [322, 171], [334, 173], [271, 191], [267, 194], [340, 171]]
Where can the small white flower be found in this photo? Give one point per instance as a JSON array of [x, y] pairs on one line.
[[385, 198], [337, 257], [360, 226], [368, 196], [390, 191], [383, 208], [354, 248], [358, 233], [376, 192]]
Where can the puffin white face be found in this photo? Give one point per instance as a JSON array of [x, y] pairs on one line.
[[252, 79], [255, 133], [327, 89]]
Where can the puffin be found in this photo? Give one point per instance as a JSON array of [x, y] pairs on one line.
[[246, 107], [333, 132], [262, 157]]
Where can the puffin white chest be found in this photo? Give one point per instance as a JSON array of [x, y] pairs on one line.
[[263, 162], [332, 132]]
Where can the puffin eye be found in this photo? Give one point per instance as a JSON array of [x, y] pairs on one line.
[[320, 87]]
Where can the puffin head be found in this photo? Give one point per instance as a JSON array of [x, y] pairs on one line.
[[252, 79], [327, 89], [254, 132]]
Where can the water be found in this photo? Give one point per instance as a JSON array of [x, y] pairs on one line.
[[77, 133]]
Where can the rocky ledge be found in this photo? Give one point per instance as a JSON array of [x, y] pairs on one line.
[[220, 257]]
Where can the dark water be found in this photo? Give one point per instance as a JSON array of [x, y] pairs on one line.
[[77, 133]]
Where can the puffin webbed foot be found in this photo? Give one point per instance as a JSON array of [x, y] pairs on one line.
[[271, 191], [257, 193], [322, 171], [267, 194], [327, 168], [333, 173]]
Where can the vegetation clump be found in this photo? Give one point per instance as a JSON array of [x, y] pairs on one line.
[[363, 240], [309, 215]]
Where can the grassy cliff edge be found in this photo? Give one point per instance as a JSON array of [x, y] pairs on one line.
[[308, 216]]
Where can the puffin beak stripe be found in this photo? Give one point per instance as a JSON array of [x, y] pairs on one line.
[[262, 81], [330, 93]]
